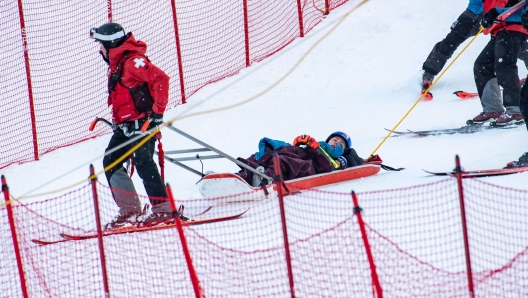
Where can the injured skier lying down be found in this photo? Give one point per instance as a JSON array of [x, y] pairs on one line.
[[304, 158]]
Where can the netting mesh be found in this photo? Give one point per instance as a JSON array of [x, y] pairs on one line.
[[68, 77], [414, 234], [17, 132]]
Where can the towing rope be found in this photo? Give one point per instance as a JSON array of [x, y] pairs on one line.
[[426, 92]]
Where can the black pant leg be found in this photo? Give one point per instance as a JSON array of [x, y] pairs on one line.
[[523, 102], [463, 28], [123, 190], [483, 69], [117, 139], [148, 171], [508, 47]]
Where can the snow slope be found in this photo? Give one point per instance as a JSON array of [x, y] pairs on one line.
[[360, 79]]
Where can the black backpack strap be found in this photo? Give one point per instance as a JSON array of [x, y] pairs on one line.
[[116, 75]]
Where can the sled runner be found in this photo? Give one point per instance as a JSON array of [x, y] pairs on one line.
[[226, 184]]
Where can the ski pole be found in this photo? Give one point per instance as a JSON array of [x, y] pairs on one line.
[[334, 163], [426, 92]]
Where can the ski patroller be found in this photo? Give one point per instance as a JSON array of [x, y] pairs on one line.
[[133, 229]]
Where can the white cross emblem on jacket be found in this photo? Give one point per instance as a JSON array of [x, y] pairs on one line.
[[139, 62]]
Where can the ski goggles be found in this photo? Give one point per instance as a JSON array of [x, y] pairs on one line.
[[101, 37]]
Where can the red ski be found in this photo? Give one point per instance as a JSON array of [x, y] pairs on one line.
[[465, 95], [46, 242], [428, 96], [482, 173], [468, 95], [132, 229]]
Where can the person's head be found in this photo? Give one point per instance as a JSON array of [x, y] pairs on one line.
[[110, 35], [339, 138]]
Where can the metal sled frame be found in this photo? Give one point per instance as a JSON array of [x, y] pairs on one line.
[[206, 148]]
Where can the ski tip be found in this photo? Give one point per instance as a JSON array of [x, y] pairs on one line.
[[427, 96], [39, 242], [436, 173], [397, 133], [46, 242], [465, 95], [203, 212]]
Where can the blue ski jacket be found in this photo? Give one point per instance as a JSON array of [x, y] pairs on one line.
[[276, 144]]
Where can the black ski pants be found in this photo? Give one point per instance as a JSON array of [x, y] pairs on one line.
[[145, 166], [467, 25], [523, 103], [498, 60]]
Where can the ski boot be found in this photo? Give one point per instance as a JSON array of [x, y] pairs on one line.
[[484, 117], [427, 80], [161, 218], [122, 219], [257, 180], [508, 119], [522, 162]]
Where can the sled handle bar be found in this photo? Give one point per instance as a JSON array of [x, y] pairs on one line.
[[238, 162]]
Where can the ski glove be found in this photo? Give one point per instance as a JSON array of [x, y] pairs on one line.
[[306, 140], [157, 119], [524, 20], [489, 17]]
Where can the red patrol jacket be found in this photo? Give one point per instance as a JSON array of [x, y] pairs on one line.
[[136, 70], [489, 4]]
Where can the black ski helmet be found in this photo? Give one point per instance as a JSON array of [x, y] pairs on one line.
[[111, 35]]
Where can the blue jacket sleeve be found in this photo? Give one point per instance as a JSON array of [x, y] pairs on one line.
[[476, 6], [333, 152], [275, 144]]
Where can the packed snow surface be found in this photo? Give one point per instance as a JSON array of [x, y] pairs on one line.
[[360, 79]]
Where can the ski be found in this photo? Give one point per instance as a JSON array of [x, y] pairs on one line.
[[132, 229], [465, 95], [428, 96], [468, 95], [462, 130], [46, 242], [482, 173]]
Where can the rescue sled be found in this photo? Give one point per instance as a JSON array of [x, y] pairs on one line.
[[226, 184], [213, 185]]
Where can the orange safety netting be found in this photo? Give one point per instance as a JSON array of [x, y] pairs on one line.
[[414, 235]]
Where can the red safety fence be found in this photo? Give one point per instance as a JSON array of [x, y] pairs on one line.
[[55, 81], [406, 242]]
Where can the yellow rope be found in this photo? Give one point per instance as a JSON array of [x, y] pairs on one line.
[[151, 134], [426, 91]]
